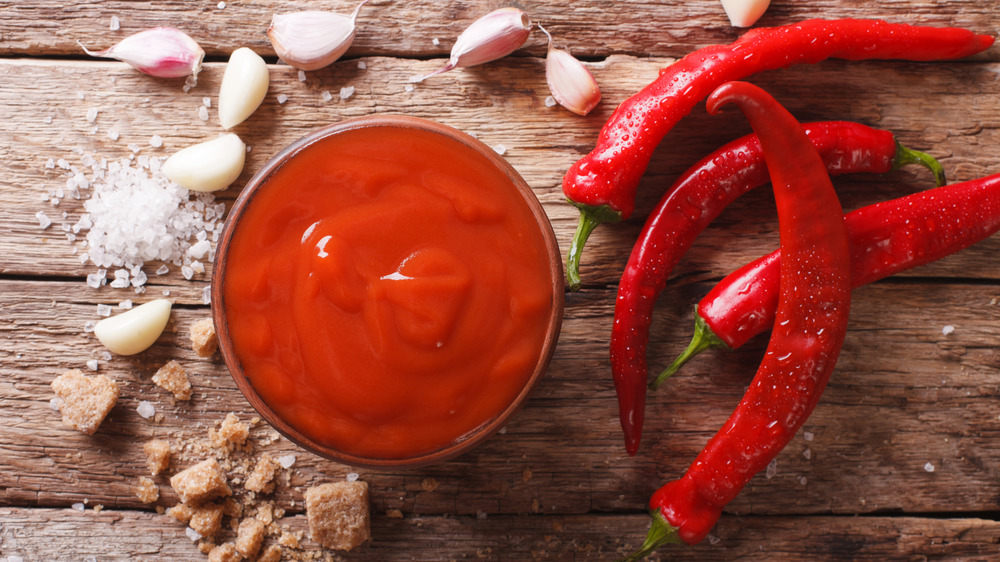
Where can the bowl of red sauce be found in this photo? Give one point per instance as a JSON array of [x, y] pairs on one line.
[[387, 291]]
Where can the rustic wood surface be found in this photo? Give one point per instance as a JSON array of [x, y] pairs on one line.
[[556, 484]]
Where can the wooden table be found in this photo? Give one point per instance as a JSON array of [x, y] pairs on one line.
[[856, 483]]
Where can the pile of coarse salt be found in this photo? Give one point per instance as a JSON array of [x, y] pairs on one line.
[[133, 215]]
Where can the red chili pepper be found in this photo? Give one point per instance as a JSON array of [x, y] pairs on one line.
[[810, 325], [886, 238], [603, 183], [689, 206]]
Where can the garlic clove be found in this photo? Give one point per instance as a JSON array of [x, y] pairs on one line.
[[312, 39], [207, 166], [135, 330], [493, 36], [571, 83], [744, 13], [244, 85], [162, 51]]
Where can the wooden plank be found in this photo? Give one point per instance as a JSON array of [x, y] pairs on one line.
[[590, 28], [59, 534]]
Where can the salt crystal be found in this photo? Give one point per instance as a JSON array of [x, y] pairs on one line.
[[326, 95], [92, 115], [187, 272], [802, 480], [947, 330], [550, 101], [302, 76], [50, 164], [55, 203], [500, 149], [436, 41], [43, 220], [362, 65], [134, 147], [207, 102], [346, 92], [221, 5], [106, 355], [47, 120], [202, 113], [199, 249], [286, 461], [712, 539], [197, 267], [282, 98], [80, 95], [408, 87], [145, 409], [88, 326], [92, 364], [807, 454], [929, 467], [156, 141], [162, 270], [78, 506], [62, 163], [139, 279], [206, 295], [116, 24], [503, 430], [125, 304], [119, 283], [352, 476], [772, 469], [808, 435], [54, 403], [103, 310], [192, 534]]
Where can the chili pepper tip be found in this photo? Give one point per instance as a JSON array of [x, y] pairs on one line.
[[590, 217], [703, 338]]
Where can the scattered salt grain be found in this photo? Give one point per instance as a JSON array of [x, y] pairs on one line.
[[326, 95], [408, 87], [94, 280], [802, 480], [92, 364], [139, 279], [503, 430], [199, 249], [282, 98], [197, 267], [162, 270], [43, 220], [500, 149], [808, 435], [947, 330], [712, 539], [302, 76], [346, 92], [192, 534], [54, 403], [221, 5], [47, 120], [103, 310], [352, 476], [146, 409], [156, 141], [190, 82], [125, 304], [203, 113], [134, 148], [80, 95], [550, 101], [362, 65], [206, 295], [436, 41], [50, 164], [286, 461], [772, 469], [207, 102], [78, 506], [91, 115], [807, 454], [88, 326], [929, 467], [106, 355], [187, 272], [116, 24]]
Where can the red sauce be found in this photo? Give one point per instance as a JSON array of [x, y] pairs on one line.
[[388, 291]]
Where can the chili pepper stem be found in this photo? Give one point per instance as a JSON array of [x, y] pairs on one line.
[[660, 533], [905, 155], [704, 338], [590, 217]]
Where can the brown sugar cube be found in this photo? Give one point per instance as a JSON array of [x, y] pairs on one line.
[[265, 513], [271, 554], [249, 537], [157, 455], [207, 519], [225, 552], [338, 514], [289, 540], [200, 482], [146, 490], [181, 512], [232, 508], [84, 401], [261, 479], [173, 378], [232, 433], [205, 547], [203, 338]]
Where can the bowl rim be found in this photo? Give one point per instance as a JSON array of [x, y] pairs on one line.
[[245, 198]]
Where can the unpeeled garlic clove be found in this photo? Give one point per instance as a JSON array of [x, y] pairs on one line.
[[571, 83], [493, 36], [207, 166], [135, 330], [244, 85], [162, 51], [312, 39], [744, 13]]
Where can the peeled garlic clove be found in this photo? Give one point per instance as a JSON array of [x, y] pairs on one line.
[[244, 85], [135, 330], [571, 83], [744, 13], [312, 39], [493, 36], [207, 166], [162, 51]]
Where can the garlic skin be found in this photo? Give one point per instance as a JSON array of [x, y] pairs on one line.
[[744, 13], [207, 166], [244, 85], [312, 39], [493, 36], [135, 330], [571, 83], [161, 51]]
